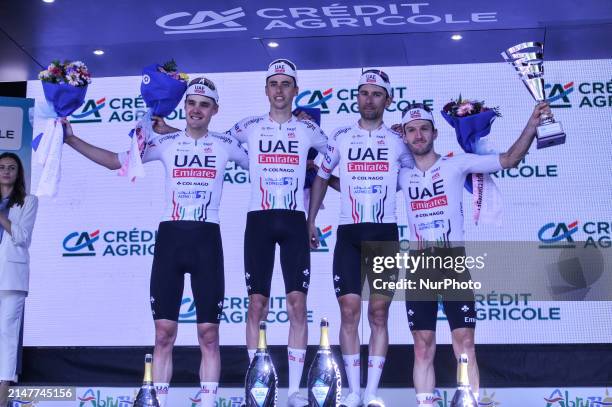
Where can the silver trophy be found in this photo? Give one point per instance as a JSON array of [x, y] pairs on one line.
[[528, 60]]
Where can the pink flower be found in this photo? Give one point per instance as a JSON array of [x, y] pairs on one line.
[[465, 109]]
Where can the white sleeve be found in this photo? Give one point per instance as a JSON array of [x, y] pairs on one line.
[[403, 172], [150, 149], [332, 157], [239, 130], [318, 139], [239, 155], [21, 230], [480, 163]]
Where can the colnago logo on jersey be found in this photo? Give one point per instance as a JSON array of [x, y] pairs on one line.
[[362, 159], [194, 166], [278, 152]]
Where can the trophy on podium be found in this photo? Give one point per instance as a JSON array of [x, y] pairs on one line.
[[528, 60]]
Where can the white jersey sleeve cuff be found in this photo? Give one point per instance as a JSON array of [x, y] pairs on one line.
[[324, 172]]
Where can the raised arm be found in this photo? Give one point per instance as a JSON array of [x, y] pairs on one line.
[[98, 155], [518, 150]]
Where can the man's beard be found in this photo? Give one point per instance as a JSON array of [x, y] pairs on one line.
[[424, 150], [371, 115]]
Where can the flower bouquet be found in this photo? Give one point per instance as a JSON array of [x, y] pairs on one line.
[[162, 89], [472, 122], [64, 85]]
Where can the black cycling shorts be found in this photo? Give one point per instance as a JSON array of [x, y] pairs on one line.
[[188, 247], [352, 264], [422, 306], [266, 229]]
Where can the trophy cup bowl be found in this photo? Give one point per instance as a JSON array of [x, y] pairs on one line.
[[528, 60]]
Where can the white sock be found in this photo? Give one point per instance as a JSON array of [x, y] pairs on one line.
[[425, 399], [476, 395], [352, 365], [375, 368], [161, 390], [251, 354], [208, 394], [296, 367]]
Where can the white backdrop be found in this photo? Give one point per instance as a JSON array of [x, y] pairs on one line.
[[100, 298]]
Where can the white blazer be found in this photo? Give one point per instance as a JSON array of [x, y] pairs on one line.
[[14, 255]]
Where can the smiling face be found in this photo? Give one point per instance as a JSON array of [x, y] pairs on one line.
[[372, 101], [419, 136], [199, 111], [9, 170], [280, 90]]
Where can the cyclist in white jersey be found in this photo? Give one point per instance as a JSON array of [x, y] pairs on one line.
[[433, 191], [278, 145], [189, 239], [369, 156]]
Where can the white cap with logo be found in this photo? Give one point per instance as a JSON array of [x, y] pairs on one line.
[[375, 77], [416, 113], [203, 87], [282, 67]]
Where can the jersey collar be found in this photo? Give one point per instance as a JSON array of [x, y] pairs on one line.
[[360, 129]]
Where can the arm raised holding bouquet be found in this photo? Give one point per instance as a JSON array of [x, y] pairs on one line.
[[64, 86], [472, 121], [162, 89]]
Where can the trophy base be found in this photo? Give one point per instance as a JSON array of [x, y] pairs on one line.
[[550, 135]]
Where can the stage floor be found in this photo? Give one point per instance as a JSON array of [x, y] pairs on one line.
[[233, 397]]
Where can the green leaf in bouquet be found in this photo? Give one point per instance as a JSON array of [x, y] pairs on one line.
[[170, 66]]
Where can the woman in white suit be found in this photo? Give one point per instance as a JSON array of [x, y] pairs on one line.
[[17, 215]]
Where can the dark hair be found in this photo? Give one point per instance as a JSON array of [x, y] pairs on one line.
[[19, 190]]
